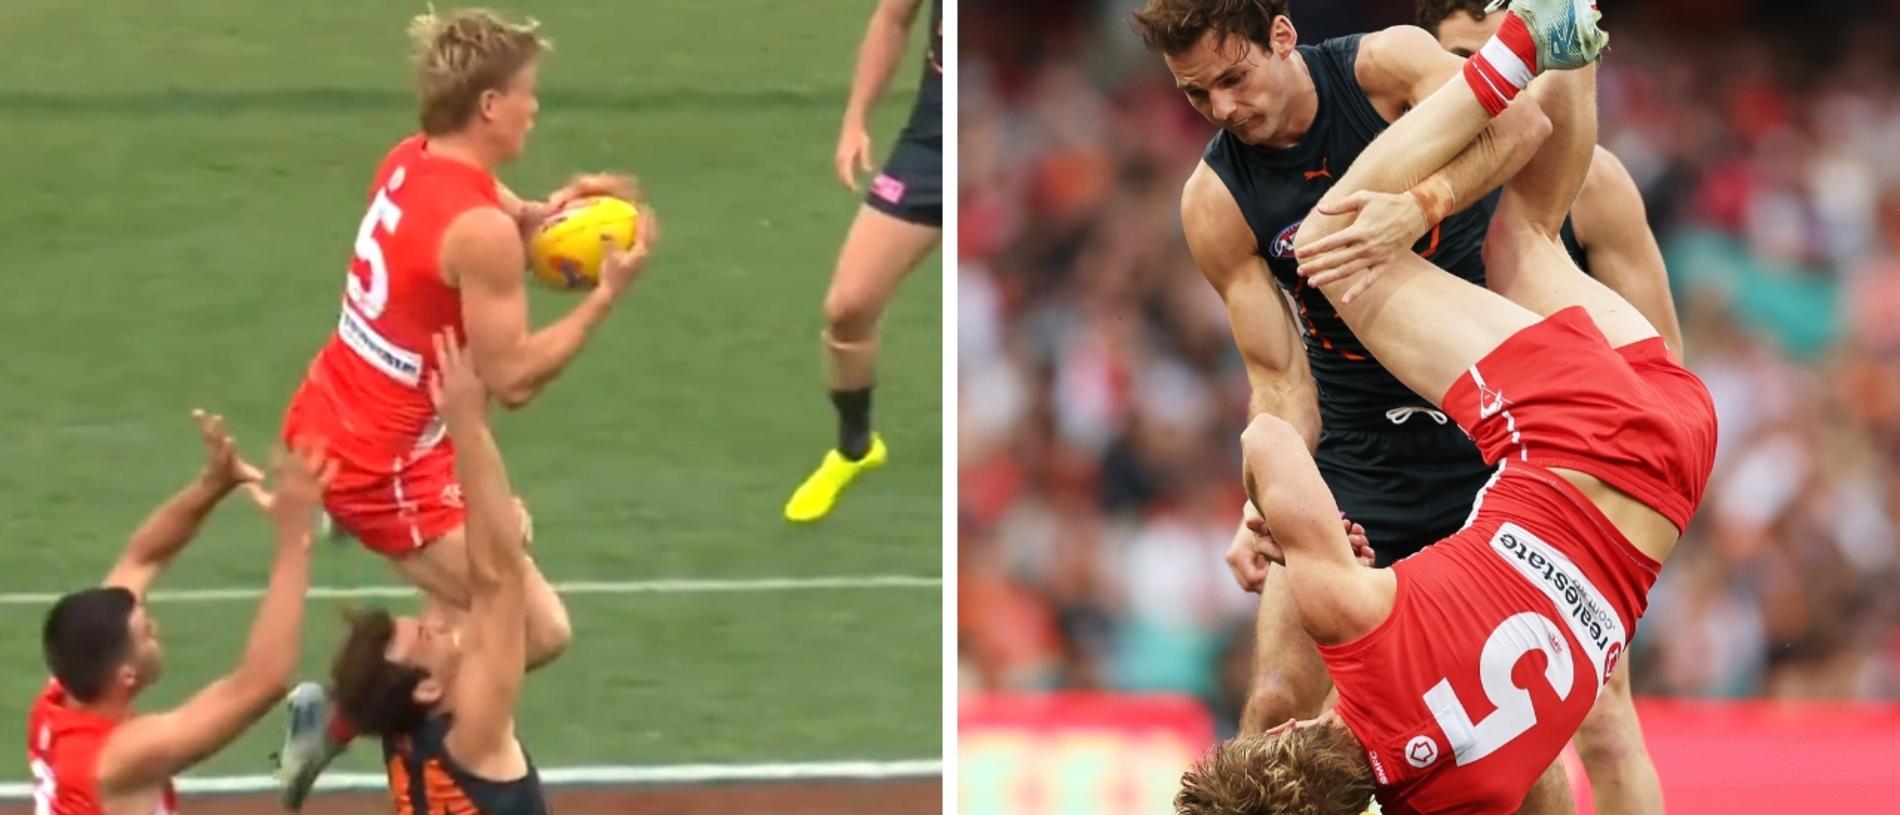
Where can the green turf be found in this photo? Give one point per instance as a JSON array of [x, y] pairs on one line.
[[183, 184]]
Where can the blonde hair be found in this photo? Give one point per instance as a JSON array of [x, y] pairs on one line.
[[463, 55], [1319, 769]]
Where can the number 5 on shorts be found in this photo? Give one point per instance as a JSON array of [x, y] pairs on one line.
[[1516, 636]]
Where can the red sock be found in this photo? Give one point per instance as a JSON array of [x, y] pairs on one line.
[[340, 732], [1504, 66]]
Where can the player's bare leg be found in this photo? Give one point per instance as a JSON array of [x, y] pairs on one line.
[[1523, 252], [1550, 794], [879, 252], [1423, 350], [1289, 679], [1529, 265], [1610, 742]]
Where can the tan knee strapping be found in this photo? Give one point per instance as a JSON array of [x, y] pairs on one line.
[[849, 365]]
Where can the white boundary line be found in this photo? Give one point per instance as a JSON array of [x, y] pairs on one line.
[[624, 775], [887, 581]]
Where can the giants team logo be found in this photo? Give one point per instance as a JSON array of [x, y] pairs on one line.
[[1282, 246], [1421, 751]]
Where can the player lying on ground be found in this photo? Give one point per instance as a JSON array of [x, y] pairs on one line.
[[443, 697], [1603, 445], [441, 247], [900, 222], [92, 752]]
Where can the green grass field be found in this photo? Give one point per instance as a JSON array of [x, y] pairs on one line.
[[183, 182]]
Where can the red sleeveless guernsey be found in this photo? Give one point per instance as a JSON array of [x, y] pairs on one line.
[[62, 747], [367, 391]]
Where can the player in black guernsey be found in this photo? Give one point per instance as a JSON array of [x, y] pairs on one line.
[[441, 694], [1293, 118], [900, 223]]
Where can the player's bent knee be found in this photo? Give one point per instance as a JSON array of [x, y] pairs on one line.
[[850, 316], [1318, 226]]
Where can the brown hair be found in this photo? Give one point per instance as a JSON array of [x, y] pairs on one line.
[[462, 56], [1432, 13], [1319, 769], [1174, 26], [375, 695]]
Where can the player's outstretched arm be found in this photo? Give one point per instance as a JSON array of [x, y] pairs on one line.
[[176, 522], [494, 641], [1613, 226], [484, 255], [1299, 517], [878, 55], [154, 747]]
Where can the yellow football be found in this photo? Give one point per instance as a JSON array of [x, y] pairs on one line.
[[566, 253]]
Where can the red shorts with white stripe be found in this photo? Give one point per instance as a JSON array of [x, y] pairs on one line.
[[395, 513], [1556, 395], [392, 504]]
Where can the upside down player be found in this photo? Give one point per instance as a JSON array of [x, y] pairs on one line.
[[1603, 445], [1294, 118], [442, 246], [1608, 237], [442, 698], [900, 222], [91, 751]]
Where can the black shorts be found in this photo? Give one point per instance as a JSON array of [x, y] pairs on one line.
[[1410, 486], [911, 186]]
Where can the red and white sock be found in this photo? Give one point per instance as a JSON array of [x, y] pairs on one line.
[[339, 730], [1503, 66]]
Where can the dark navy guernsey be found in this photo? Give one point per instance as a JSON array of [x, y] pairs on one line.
[[1277, 188], [926, 116]]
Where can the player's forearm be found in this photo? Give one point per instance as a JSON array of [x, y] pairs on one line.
[[271, 653], [174, 523], [1499, 152], [548, 351], [1295, 402], [494, 539], [878, 56], [1284, 483]]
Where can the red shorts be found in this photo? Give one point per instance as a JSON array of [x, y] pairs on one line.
[[395, 504], [1556, 395]]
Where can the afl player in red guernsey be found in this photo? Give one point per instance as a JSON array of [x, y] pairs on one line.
[[441, 247], [1463, 670], [89, 748], [442, 697]]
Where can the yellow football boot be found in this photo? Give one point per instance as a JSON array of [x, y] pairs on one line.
[[815, 498]]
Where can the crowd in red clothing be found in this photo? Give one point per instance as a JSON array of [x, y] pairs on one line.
[[1101, 397]]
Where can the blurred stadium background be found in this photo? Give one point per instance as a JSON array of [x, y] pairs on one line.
[[1103, 640]]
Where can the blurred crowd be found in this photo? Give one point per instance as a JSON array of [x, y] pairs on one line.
[[1101, 397]]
